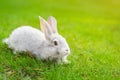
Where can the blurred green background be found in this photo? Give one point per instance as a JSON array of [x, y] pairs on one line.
[[91, 27]]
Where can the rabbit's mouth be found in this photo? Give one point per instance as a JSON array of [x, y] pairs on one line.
[[65, 54]]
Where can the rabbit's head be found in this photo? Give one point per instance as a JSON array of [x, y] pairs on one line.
[[57, 44]]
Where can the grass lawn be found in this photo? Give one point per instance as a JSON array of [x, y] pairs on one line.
[[91, 27]]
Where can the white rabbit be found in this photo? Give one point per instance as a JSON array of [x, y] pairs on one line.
[[48, 44]]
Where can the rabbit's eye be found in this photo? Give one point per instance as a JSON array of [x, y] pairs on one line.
[[55, 43]]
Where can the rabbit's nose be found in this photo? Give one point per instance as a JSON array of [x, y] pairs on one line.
[[66, 51]]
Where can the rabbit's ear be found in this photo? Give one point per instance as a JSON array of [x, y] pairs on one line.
[[53, 24], [45, 27]]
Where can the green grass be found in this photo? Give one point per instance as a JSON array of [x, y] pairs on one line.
[[92, 29]]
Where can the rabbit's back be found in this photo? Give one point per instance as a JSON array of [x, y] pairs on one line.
[[26, 38]]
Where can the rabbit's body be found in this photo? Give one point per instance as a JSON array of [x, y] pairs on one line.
[[44, 45], [26, 38], [22, 38]]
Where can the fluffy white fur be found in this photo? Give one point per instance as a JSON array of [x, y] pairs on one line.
[[40, 44]]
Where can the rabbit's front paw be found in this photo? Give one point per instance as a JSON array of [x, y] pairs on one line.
[[66, 61]]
